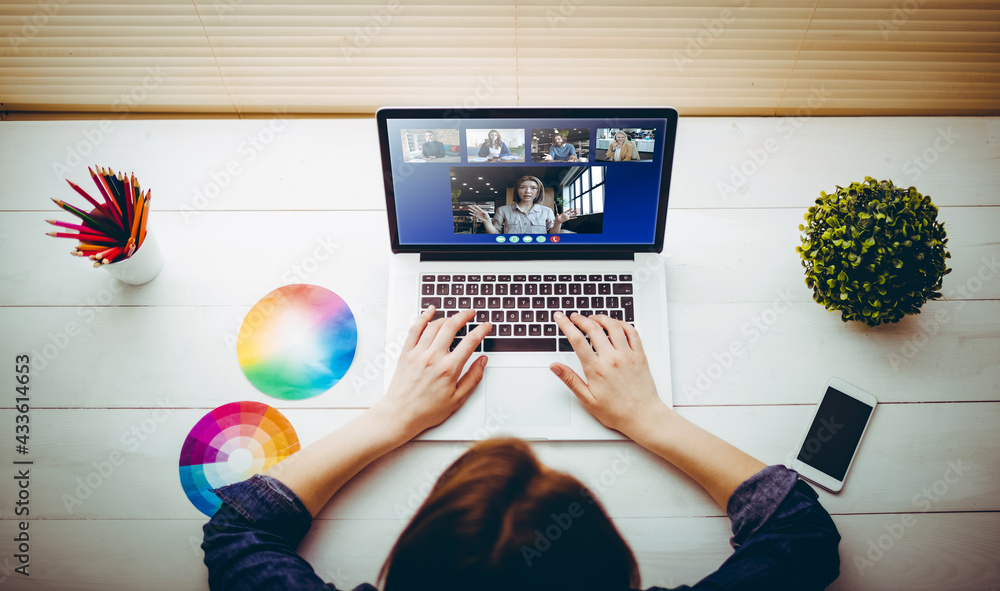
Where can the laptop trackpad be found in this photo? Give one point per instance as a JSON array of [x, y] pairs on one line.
[[526, 397]]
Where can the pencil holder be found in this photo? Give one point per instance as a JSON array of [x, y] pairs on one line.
[[142, 267]]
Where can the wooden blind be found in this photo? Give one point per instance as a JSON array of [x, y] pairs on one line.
[[732, 57]]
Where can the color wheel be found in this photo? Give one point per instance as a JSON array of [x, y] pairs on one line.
[[231, 444], [297, 342]]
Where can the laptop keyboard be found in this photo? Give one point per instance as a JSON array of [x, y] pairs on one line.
[[520, 307]]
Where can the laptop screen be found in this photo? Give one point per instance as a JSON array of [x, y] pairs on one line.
[[502, 180]]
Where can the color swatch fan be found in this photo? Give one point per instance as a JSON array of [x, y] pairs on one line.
[[231, 444], [297, 342]]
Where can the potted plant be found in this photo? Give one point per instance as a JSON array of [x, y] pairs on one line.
[[873, 251]]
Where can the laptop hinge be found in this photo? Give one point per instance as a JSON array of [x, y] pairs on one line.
[[527, 256]]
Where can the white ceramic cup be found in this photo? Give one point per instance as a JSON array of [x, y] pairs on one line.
[[142, 267]]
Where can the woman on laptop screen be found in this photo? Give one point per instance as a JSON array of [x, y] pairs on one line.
[[526, 215], [497, 518]]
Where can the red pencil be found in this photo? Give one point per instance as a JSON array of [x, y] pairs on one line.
[[128, 191], [84, 237], [81, 228], [114, 250], [100, 207], [114, 254], [108, 197]]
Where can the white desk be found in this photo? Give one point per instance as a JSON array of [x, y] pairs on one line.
[[243, 207]]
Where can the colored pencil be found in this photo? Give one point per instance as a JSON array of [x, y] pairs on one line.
[[69, 226], [145, 216], [87, 247], [130, 187], [83, 237]]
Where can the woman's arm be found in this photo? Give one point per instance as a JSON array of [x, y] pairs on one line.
[[250, 542], [784, 539], [484, 150], [491, 226], [426, 389], [620, 392]]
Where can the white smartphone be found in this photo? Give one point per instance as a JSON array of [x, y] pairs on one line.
[[828, 447]]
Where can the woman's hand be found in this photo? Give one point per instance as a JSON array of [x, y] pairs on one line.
[[619, 390], [567, 216], [479, 213], [428, 386]]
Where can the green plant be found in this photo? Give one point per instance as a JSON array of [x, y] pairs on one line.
[[873, 251]]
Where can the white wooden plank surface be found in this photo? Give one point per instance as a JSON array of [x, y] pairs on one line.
[[938, 551], [908, 448]]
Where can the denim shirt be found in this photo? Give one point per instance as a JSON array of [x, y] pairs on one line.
[[783, 538]]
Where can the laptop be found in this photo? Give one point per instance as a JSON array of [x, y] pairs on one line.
[[517, 213]]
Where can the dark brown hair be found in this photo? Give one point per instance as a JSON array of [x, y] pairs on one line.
[[498, 519]]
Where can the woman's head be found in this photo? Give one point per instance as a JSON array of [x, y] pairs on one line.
[[429, 136], [529, 188], [498, 519], [494, 136], [621, 136]]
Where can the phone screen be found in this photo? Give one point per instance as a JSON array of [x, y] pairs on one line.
[[835, 433]]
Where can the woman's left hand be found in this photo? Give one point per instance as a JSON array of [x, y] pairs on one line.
[[428, 385], [567, 216]]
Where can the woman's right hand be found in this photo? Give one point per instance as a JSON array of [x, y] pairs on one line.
[[619, 390], [479, 213]]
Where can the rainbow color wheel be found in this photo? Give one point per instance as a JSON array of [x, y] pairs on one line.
[[231, 444], [297, 342]]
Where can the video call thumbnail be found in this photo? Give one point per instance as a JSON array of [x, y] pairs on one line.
[[495, 145], [560, 145], [625, 144], [431, 145], [528, 200]]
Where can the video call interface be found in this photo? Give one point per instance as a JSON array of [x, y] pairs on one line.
[[529, 181]]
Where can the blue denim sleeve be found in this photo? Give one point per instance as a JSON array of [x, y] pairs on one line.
[[250, 542], [784, 538]]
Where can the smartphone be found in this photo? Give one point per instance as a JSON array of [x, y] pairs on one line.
[[828, 447]]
